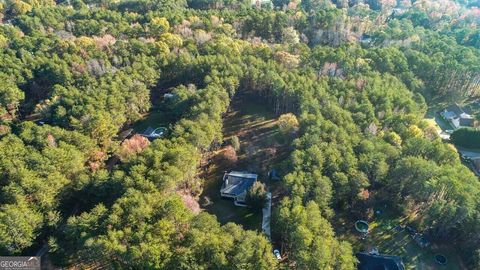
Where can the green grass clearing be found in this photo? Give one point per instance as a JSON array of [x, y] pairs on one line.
[[262, 148], [157, 117], [224, 209]]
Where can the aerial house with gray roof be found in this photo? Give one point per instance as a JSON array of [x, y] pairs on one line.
[[457, 116], [375, 261], [236, 184]]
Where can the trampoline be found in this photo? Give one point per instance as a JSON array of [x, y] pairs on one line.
[[441, 259], [361, 226]]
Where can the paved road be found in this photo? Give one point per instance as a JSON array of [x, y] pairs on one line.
[[42, 251], [468, 153]]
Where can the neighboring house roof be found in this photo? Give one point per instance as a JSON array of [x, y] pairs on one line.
[[399, 10], [365, 38], [457, 112], [261, 2], [379, 262], [458, 116], [466, 121], [236, 183]]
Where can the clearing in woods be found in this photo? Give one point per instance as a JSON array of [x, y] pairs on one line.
[[262, 147]]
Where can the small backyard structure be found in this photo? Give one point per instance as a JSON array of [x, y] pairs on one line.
[[457, 117], [169, 96], [371, 261], [273, 175], [236, 184], [151, 133]]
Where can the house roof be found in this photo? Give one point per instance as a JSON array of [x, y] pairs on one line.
[[236, 183], [465, 116], [454, 108], [466, 121], [379, 262], [458, 111]]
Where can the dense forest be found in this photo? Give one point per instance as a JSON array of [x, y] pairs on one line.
[[358, 75]]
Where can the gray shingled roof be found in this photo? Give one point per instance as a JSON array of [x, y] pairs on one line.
[[455, 109], [379, 262], [466, 122], [235, 183]]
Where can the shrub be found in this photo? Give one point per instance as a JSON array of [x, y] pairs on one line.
[[393, 138], [229, 155], [466, 137], [288, 123], [257, 196], [132, 146], [414, 131]]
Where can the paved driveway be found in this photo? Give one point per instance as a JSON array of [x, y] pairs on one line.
[[468, 153]]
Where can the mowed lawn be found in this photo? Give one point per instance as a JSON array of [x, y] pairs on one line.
[[224, 209], [157, 117], [261, 149], [388, 240]]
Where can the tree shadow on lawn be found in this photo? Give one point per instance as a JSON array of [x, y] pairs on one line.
[[388, 240]]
